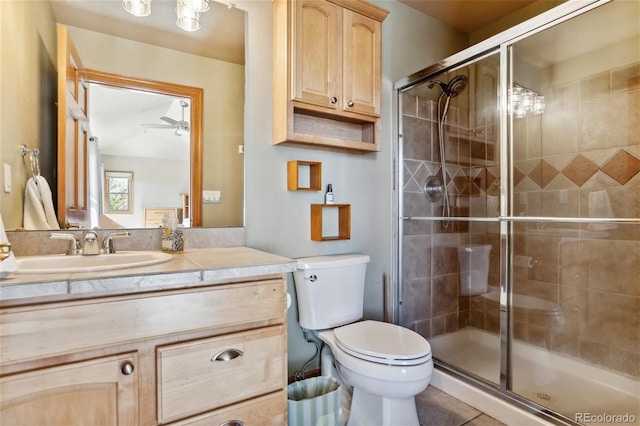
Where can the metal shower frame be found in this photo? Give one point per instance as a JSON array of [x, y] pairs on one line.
[[501, 44]]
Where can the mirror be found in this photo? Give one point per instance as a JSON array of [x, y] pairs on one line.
[[221, 80], [145, 137]]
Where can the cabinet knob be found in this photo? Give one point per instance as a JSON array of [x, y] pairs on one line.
[[127, 368], [334, 100], [227, 355], [232, 423], [351, 104]]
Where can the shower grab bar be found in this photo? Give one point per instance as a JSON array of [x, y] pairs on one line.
[[455, 219], [529, 219], [568, 219]]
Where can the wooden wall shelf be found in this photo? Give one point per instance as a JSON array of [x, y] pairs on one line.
[[294, 175], [344, 222]]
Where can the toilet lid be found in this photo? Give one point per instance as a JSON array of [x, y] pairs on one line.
[[383, 343]]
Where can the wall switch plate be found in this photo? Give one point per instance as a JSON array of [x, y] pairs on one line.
[[211, 197], [7, 178]]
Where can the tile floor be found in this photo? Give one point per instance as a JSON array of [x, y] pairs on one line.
[[436, 408]]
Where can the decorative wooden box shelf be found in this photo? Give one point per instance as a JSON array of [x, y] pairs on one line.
[[296, 172], [344, 222]]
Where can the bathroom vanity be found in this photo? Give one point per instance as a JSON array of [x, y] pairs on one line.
[[200, 339]]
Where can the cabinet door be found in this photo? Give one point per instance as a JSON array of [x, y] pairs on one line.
[[316, 60], [97, 392], [361, 64]]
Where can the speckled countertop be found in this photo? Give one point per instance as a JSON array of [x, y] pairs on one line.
[[191, 268]]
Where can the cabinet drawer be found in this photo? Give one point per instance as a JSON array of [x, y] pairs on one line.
[[191, 380], [262, 411], [102, 322]]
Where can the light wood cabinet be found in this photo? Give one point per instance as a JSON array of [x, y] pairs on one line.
[[327, 76], [146, 358], [100, 391], [153, 216]]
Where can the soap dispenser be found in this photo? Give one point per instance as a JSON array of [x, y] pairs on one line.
[[172, 235], [328, 197]]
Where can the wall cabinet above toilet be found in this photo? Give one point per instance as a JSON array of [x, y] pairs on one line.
[[327, 73]]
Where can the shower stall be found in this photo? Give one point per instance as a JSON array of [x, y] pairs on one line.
[[518, 209]]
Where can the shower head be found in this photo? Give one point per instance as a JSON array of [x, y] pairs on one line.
[[442, 85], [454, 88], [456, 85]]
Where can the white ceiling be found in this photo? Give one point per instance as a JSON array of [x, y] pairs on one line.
[[223, 27], [221, 36], [116, 117]]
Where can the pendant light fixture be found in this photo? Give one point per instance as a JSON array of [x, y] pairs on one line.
[[137, 7], [196, 5], [187, 11], [187, 19]]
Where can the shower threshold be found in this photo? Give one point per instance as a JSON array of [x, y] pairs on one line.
[[580, 391]]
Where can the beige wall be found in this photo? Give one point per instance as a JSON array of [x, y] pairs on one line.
[[27, 46], [223, 85]]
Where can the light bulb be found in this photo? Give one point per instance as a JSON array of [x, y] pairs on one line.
[[137, 7]]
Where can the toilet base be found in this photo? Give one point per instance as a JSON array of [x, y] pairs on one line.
[[368, 409]]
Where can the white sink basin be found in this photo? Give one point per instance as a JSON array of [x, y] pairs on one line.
[[60, 263]]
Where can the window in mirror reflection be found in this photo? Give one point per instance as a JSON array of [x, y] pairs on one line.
[[119, 192]]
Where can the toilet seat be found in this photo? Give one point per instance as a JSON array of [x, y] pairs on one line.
[[383, 343]]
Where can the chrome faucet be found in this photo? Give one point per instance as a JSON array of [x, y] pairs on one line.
[[90, 246], [107, 243], [74, 242]]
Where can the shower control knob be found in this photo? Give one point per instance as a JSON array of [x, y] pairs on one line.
[[351, 104], [334, 100]]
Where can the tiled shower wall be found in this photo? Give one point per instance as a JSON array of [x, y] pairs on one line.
[[584, 149], [581, 158], [432, 304]]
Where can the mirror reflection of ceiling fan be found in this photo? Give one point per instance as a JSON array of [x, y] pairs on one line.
[[181, 127]]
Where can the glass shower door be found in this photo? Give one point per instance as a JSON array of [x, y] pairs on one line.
[[575, 307], [451, 251]]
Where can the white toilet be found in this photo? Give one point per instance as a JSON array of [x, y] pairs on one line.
[[387, 365]]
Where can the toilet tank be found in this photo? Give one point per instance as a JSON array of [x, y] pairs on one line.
[[330, 290]]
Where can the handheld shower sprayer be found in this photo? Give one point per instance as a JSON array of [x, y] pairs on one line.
[[432, 187]]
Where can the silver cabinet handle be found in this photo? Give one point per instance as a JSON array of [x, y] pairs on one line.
[[350, 104], [227, 355], [334, 100], [232, 423], [127, 368]]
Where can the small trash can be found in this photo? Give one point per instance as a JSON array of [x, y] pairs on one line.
[[314, 402]]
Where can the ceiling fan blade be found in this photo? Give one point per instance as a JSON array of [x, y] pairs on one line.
[[169, 120], [159, 126]]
